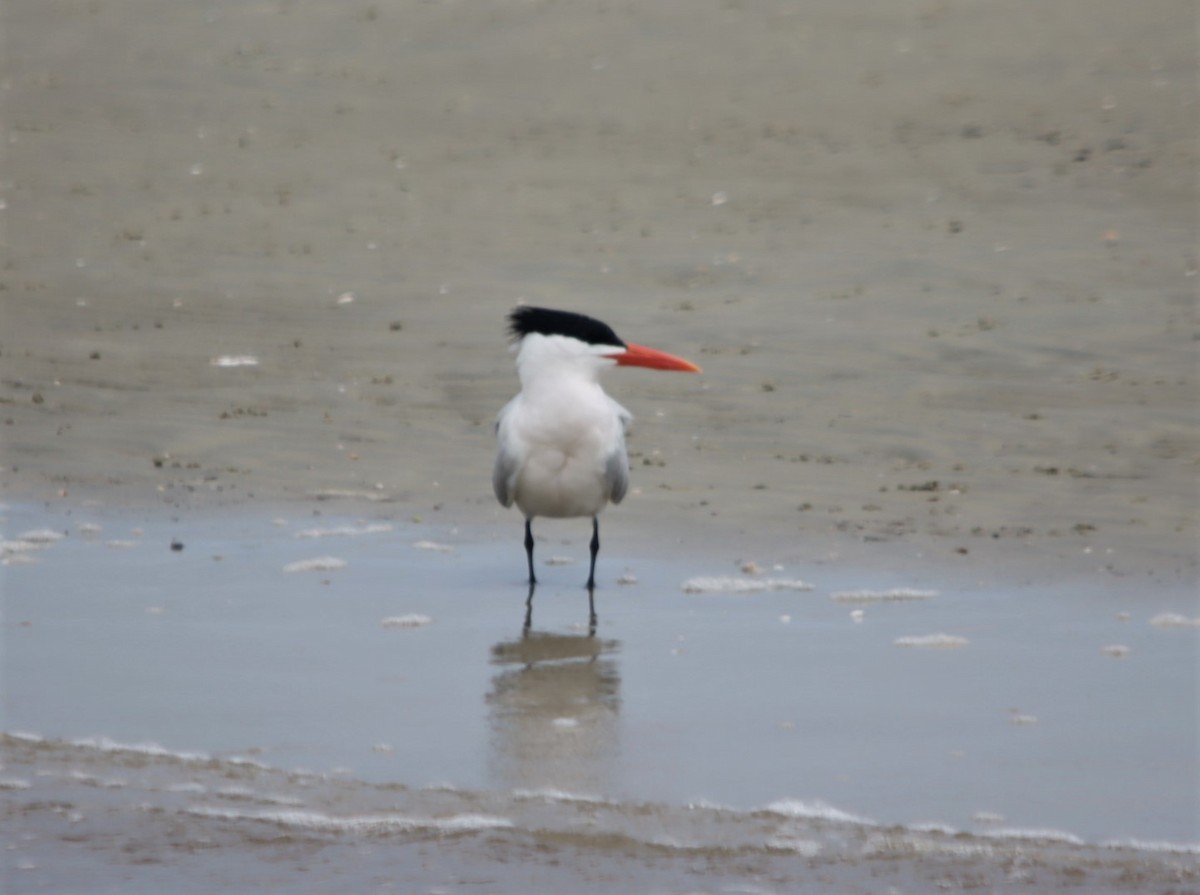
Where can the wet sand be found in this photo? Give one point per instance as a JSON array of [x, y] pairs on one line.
[[938, 263]]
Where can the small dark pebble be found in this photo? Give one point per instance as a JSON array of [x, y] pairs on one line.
[[176, 545]]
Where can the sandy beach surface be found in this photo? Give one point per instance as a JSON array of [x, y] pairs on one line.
[[937, 259]]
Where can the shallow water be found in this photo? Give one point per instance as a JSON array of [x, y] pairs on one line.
[[1054, 714]]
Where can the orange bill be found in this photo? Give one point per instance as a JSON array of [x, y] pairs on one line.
[[641, 356]]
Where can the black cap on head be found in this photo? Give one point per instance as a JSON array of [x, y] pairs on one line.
[[525, 320]]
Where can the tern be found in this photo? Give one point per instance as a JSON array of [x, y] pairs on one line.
[[561, 440]]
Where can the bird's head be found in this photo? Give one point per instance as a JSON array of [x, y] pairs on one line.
[[546, 337]]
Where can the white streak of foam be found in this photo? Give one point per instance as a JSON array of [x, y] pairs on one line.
[[933, 641], [14, 783], [412, 620], [345, 531], [816, 810], [247, 762], [1174, 620], [154, 750], [549, 794], [434, 546], [319, 564], [894, 595], [361, 823], [1039, 835], [19, 546], [710, 585], [933, 827], [41, 536], [1173, 848]]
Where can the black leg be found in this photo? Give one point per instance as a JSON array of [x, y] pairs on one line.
[[591, 582], [529, 549]]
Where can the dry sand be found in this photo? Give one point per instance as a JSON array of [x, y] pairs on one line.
[[937, 259]]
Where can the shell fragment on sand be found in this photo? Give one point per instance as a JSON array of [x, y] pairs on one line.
[[933, 641]]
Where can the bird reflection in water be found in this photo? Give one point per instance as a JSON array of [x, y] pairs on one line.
[[553, 712], [592, 618]]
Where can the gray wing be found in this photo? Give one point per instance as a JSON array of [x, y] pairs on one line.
[[616, 467], [502, 474], [505, 469]]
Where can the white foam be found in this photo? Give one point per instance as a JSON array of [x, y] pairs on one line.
[[247, 762], [550, 794], [41, 536], [1173, 848], [319, 564], [934, 827], [1037, 835], [560, 561], [118, 544], [14, 783], [434, 546], [894, 595], [236, 792], [707, 805], [1174, 620], [361, 823], [806, 848], [19, 546], [816, 810], [1115, 650], [412, 620], [93, 780], [104, 744], [707, 585], [345, 531], [933, 641]]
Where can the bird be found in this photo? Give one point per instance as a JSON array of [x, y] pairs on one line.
[[561, 440]]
